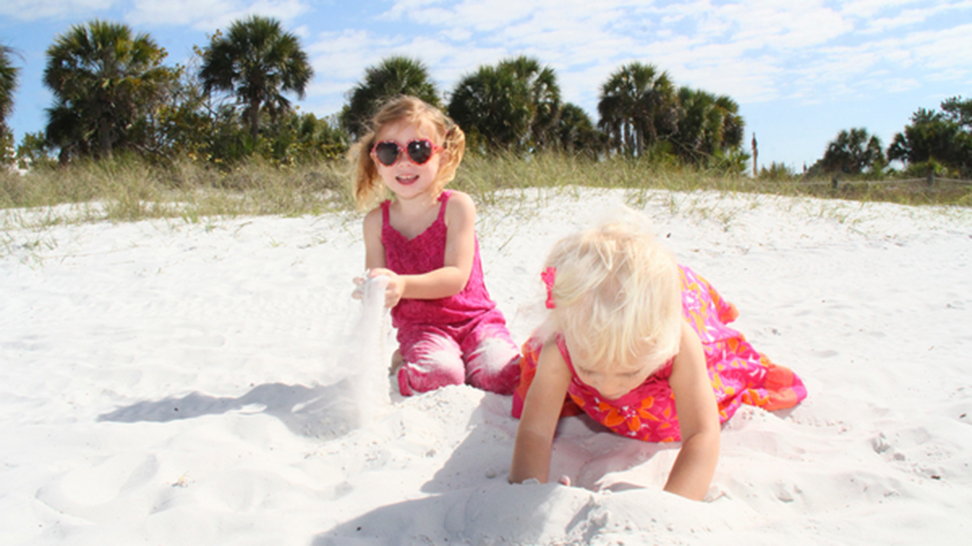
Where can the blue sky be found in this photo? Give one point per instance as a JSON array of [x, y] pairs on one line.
[[801, 70]]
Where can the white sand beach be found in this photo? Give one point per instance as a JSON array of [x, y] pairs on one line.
[[165, 383]]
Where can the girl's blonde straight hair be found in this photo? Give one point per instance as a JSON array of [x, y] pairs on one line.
[[617, 296]]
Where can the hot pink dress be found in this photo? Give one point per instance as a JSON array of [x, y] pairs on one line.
[[738, 373], [453, 340]]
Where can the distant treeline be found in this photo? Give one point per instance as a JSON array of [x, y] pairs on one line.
[[114, 93]]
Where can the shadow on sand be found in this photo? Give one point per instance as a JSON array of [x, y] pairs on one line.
[[318, 411]]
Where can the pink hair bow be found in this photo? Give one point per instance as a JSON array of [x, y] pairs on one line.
[[548, 276]]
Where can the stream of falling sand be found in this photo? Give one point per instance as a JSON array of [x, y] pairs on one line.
[[369, 360]]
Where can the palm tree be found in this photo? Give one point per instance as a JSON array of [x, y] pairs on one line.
[[256, 61], [68, 129], [733, 124], [709, 126], [492, 105], [543, 96], [575, 132], [104, 81], [393, 76], [853, 152], [637, 107], [511, 106], [8, 82]]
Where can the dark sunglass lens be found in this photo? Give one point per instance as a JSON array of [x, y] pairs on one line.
[[419, 151], [387, 153]]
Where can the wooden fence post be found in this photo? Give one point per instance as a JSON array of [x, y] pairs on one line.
[[755, 157]]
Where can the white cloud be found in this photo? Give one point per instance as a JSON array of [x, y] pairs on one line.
[[343, 56], [908, 58], [796, 25], [725, 70], [960, 80], [209, 15], [866, 9], [457, 34], [947, 48], [903, 19], [900, 85], [915, 16], [478, 16], [32, 10], [888, 65]]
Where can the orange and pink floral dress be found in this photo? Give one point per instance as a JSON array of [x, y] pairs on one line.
[[738, 373]]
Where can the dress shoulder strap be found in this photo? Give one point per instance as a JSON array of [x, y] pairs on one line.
[[384, 212], [444, 199], [562, 346]]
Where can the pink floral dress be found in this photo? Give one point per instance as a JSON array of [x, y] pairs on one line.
[[738, 373]]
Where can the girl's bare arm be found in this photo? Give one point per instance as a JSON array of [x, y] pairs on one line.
[[374, 249], [541, 411], [698, 419]]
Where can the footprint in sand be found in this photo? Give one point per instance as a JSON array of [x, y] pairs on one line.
[[104, 492]]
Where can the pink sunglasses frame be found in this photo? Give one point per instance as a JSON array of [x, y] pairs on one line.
[[403, 150]]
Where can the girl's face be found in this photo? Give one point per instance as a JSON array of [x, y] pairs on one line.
[[404, 178], [611, 382]]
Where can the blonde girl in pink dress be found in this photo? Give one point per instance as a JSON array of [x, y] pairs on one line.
[[449, 329], [629, 333]]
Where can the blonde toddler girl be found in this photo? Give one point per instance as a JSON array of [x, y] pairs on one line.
[[641, 345]]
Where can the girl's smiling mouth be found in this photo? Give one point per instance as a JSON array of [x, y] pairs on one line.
[[406, 180]]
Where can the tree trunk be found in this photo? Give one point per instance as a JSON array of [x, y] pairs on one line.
[[253, 117], [104, 136], [628, 144]]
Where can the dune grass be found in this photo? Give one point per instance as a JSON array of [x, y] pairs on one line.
[[129, 188]]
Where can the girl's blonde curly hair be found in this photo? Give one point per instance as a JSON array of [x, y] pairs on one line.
[[368, 188], [616, 296]]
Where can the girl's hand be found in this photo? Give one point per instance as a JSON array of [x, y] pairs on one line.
[[564, 480], [396, 285], [358, 293]]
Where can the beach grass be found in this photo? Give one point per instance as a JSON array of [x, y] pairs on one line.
[[129, 188]]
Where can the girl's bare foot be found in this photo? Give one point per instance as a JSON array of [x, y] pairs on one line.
[[396, 363]]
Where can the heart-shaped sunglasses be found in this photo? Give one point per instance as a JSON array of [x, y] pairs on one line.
[[419, 151]]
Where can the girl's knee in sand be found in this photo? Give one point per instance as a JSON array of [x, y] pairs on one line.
[[494, 366], [431, 371]]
